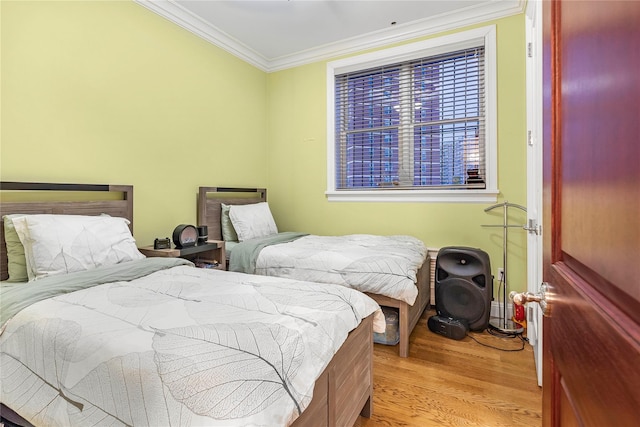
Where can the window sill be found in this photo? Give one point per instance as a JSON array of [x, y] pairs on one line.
[[432, 196]]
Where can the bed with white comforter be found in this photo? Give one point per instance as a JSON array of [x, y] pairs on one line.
[[393, 270], [158, 342], [383, 265]]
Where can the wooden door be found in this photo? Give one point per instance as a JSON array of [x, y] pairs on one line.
[[591, 369]]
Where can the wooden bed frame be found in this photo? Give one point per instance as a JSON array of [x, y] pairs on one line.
[[209, 213], [342, 392], [122, 207]]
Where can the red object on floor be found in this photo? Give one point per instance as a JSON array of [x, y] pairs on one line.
[[518, 312]]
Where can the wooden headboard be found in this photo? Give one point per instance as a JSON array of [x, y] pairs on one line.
[[63, 203], [210, 198]]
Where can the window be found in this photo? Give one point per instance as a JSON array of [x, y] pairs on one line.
[[415, 122]]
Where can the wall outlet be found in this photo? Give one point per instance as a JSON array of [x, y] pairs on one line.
[[501, 274]]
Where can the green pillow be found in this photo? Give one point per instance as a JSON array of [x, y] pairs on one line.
[[16, 262], [228, 232]]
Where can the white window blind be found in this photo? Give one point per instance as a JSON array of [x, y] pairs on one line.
[[417, 124]]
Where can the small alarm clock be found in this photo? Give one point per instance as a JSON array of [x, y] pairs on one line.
[[159, 243], [185, 235]]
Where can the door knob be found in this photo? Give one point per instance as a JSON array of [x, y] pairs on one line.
[[521, 298]]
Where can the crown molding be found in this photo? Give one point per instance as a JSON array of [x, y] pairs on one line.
[[471, 15], [182, 17]]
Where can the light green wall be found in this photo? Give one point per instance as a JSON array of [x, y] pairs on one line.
[[109, 92], [298, 173]]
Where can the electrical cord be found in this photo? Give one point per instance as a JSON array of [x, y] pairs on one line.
[[502, 335]]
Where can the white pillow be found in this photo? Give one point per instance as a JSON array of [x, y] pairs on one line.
[[251, 221], [56, 244]]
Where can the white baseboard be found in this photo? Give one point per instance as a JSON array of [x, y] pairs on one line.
[[496, 309]]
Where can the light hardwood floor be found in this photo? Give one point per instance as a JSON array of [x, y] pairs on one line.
[[445, 382]]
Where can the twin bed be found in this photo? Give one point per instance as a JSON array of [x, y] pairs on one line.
[[106, 336], [393, 270]]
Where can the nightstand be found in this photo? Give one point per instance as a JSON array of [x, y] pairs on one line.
[[201, 254]]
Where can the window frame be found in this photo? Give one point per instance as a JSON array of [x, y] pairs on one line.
[[484, 36]]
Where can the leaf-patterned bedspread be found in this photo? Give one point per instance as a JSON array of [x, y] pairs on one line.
[[180, 346], [384, 265]]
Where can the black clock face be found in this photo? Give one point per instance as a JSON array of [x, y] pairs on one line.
[[185, 235]]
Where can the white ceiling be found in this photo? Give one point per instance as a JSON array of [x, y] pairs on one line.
[[278, 34]]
